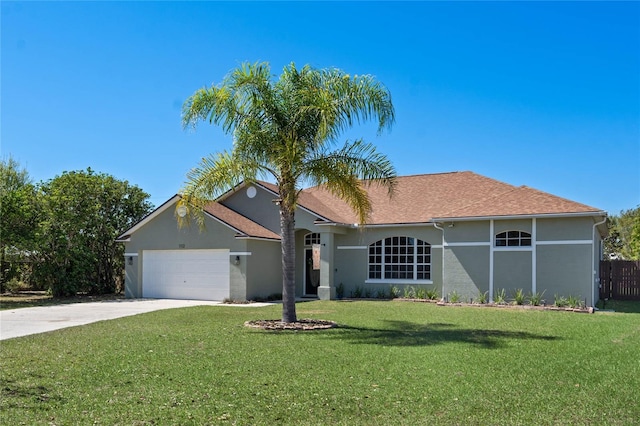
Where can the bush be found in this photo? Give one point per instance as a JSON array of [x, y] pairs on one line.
[[519, 297], [500, 296], [432, 294], [483, 297], [394, 292], [409, 292], [454, 297], [535, 299], [14, 285], [340, 291], [357, 292]]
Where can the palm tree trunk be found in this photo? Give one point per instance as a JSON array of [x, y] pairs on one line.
[[287, 224]]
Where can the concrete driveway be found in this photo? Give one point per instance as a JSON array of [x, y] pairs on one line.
[[25, 321]]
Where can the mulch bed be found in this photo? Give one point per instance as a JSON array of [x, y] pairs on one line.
[[305, 324]]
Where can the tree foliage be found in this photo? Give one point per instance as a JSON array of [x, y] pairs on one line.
[[82, 214], [285, 129], [18, 215], [623, 241]]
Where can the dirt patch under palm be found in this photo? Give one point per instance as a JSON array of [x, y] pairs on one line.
[[305, 324]]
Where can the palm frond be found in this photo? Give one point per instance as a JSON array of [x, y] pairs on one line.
[[347, 171]]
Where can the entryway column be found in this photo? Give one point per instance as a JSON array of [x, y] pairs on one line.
[[326, 290]]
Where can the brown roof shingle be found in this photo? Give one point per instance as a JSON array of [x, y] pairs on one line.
[[244, 225], [421, 198]]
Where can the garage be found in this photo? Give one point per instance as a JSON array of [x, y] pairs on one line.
[[185, 274]]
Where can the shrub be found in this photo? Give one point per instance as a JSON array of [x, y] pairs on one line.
[[381, 294], [409, 292], [535, 299], [357, 293], [432, 294], [518, 297], [340, 291], [454, 297], [367, 293], [14, 285], [560, 301], [421, 293], [483, 298], [574, 302], [394, 292], [500, 296]]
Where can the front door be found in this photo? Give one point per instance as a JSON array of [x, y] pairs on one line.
[[311, 275]]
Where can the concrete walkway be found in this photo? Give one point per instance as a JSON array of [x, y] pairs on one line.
[[25, 321]]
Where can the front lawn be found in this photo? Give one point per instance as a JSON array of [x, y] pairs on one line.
[[388, 363]]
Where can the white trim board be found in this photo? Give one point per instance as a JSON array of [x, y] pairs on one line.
[[563, 242]]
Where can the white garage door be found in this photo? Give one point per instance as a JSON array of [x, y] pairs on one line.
[[185, 274]]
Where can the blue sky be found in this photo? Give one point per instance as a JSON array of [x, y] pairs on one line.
[[544, 94]]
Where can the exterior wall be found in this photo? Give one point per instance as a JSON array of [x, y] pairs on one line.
[[560, 229], [565, 270], [263, 269], [466, 271], [132, 287], [564, 254], [261, 208], [466, 259], [512, 271], [558, 262]]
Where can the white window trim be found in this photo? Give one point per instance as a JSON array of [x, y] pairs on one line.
[[415, 264], [310, 237], [397, 281], [513, 248]]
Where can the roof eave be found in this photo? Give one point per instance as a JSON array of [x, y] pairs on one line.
[[599, 213]]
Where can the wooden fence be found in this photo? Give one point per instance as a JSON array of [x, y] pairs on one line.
[[620, 279]]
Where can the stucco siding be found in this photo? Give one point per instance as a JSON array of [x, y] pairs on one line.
[[524, 225], [564, 270], [512, 271], [263, 269], [466, 271], [464, 232], [132, 288], [560, 229], [260, 208]]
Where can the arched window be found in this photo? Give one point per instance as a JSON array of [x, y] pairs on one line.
[[513, 239], [400, 258], [311, 238]]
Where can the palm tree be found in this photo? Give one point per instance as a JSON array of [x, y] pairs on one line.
[[286, 130]]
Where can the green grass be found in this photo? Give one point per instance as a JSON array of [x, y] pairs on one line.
[[388, 363]]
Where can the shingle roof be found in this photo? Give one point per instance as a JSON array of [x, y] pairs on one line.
[[421, 198], [244, 225]]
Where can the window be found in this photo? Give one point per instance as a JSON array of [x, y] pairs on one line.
[[513, 239], [311, 239], [400, 258]]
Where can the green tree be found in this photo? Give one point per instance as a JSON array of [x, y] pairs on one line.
[[18, 218], [83, 212], [286, 129], [624, 235]]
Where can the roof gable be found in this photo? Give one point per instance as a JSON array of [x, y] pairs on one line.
[[244, 227]]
